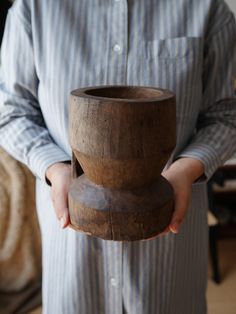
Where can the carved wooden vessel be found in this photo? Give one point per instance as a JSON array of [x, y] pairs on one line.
[[121, 138]]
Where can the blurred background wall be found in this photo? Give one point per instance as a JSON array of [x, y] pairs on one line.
[[232, 4]]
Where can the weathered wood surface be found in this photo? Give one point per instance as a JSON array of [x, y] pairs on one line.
[[122, 138], [125, 215]]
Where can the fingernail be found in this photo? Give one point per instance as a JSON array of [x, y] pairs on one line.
[[62, 221], [174, 228]]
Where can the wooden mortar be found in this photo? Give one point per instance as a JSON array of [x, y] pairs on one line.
[[121, 138]]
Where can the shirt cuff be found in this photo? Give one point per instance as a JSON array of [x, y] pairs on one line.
[[43, 157], [206, 154]]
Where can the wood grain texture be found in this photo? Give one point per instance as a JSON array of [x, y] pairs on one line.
[[123, 215], [121, 137]]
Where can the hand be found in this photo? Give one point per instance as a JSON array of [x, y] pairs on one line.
[[181, 175], [59, 174]]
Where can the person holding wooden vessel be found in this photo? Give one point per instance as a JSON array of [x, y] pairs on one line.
[[50, 49]]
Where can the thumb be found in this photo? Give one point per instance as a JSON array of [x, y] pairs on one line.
[[181, 207], [65, 220], [60, 204]]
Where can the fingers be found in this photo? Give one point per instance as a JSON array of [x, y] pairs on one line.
[[60, 204], [181, 206], [181, 175], [175, 225], [60, 176], [65, 220]]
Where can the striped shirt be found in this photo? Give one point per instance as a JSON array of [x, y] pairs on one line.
[[53, 47]]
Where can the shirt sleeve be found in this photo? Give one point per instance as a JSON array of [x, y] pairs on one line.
[[23, 133], [215, 138]]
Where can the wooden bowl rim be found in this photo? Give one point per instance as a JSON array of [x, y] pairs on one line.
[[83, 93]]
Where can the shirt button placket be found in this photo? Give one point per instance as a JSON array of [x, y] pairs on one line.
[[114, 277], [114, 282], [119, 43], [117, 48]]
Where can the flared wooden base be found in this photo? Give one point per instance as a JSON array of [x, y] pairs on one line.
[[120, 215]]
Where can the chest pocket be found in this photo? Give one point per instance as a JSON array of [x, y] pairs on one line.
[[176, 64], [174, 48]]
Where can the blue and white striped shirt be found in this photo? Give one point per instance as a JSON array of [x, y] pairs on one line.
[[53, 47]]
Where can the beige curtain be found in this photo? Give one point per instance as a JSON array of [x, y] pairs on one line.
[[20, 248]]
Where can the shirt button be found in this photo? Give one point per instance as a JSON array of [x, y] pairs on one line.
[[117, 48], [114, 282]]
